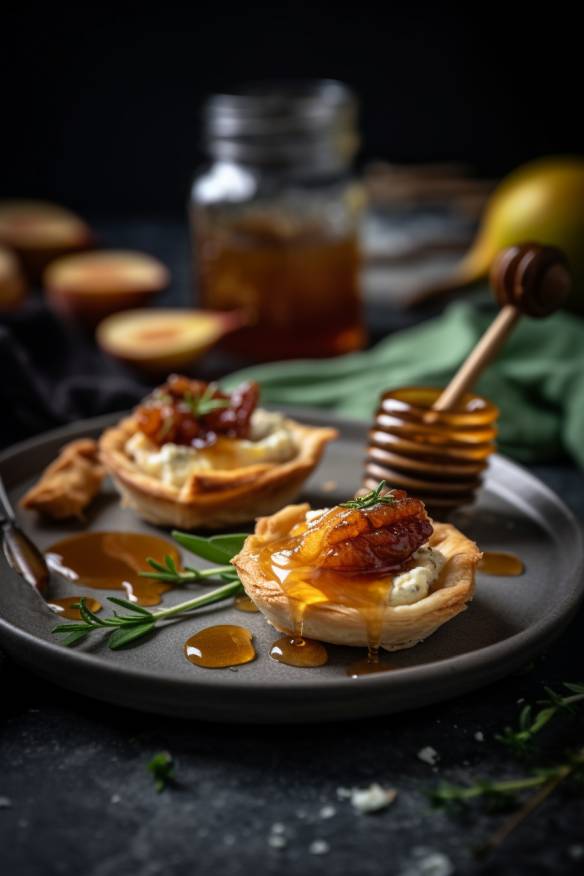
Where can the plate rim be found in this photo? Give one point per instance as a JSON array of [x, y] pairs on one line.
[[543, 631]]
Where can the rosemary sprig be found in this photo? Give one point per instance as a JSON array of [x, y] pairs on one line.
[[521, 740], [124, 629], [217, 549], [162, 768], [370, 499]]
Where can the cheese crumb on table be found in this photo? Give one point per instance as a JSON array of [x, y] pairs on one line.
[[373, 798], [428, 755], [319, 847]]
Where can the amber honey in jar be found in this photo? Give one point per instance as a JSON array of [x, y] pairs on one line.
[[275, 219], [438, 456]]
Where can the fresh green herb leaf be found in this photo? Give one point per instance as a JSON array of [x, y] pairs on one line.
[[131, 606], [217, 549], [87, 615], [522, 740], [231, 544], [163, 770], [575, 688], [127, 629], [205, 404], [370, 499], [542, 782], [73, 638], [125, 636], [138, 625]]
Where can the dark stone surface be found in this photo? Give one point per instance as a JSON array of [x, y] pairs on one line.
[[77, 798], [83, 802]]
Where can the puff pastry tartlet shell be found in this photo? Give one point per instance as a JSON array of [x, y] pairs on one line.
[[403, 626], [217, 498]]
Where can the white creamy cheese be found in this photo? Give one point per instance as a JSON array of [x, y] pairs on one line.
[[413, 585], [270, 441]]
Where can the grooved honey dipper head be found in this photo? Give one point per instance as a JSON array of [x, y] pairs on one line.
[[533, 278]]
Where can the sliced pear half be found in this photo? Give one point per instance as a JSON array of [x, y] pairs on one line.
[[157, 340]]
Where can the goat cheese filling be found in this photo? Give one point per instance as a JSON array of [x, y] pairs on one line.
[[270, 440]]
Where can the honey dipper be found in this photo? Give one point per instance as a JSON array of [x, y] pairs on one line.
[[434, 443]]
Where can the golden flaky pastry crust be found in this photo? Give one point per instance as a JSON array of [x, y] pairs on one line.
[[403, 625], [69, 483], [212, 499]]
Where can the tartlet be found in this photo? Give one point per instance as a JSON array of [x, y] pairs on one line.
[[396, 626], [210, 497]]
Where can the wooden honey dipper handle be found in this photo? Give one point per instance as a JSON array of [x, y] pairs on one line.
[[528, 279]]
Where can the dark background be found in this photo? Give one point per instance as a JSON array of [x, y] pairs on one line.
[[100, 104]]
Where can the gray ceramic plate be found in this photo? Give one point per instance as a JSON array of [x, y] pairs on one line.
[[509, 621]]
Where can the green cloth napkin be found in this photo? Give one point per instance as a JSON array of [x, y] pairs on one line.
[[537, 380]]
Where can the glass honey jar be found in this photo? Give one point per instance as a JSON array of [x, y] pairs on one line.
[[438, 456], [274, 219]]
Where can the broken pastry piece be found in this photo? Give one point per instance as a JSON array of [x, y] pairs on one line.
[[373, 572], [193, 456], [69, 484]]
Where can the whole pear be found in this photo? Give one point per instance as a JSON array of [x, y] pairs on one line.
[[540, 202]]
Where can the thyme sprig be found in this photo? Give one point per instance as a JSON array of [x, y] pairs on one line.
[[505, 790], [522, 739], [370, 499], [542, 781], [204, 404], [124, 629]]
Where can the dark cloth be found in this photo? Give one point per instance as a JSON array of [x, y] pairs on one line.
[[52, 374]]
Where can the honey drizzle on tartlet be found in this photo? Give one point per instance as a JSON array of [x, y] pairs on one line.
[[305, 586]]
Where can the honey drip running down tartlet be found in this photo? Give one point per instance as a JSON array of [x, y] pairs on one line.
[[373, 572]]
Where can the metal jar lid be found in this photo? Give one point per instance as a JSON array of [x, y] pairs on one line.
[[289, 123]]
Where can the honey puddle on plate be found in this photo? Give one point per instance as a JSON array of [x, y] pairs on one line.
[[501, 563], [64, 606], [297, 651], [113, 561], [220, 646]]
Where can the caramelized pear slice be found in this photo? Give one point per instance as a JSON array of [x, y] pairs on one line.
[[158, 341], [91, 286]]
